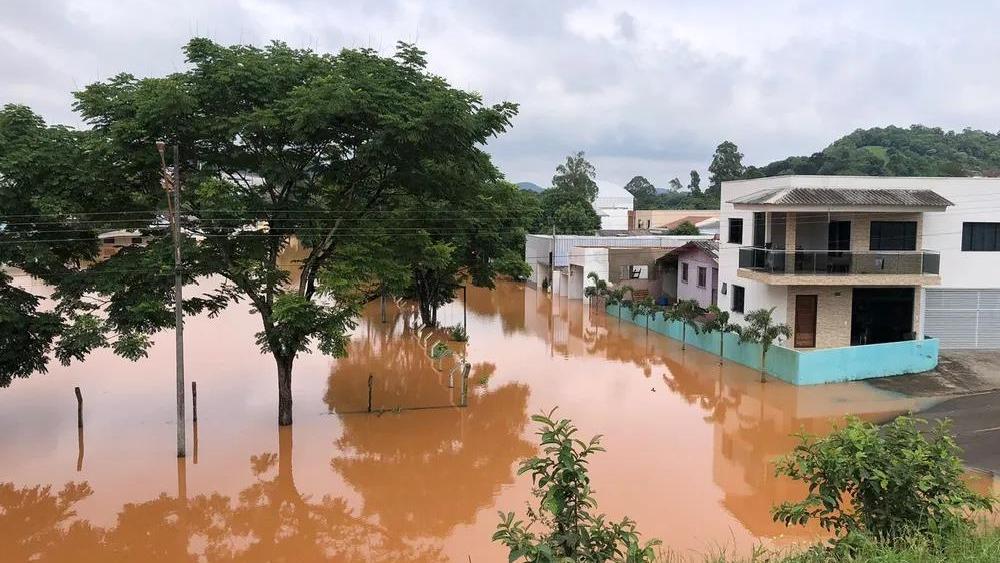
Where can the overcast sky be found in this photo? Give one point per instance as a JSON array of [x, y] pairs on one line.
[[644, 88]]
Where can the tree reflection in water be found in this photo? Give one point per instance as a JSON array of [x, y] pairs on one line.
[[268, 521], [423, 472]]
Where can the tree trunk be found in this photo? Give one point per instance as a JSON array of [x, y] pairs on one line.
[[763, 360], [684, 334], [722, 348], [284, 389]]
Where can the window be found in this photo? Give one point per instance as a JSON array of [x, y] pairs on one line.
[[109, 240], [684, 272], [725, 288], [702, 276], [635, 272], [980, 237], [736, 231], [893, 235], [136, 240], [738, 292]]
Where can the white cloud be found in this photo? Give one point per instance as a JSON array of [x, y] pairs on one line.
[[644, 87]]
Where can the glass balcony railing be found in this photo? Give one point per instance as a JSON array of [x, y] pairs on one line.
[[845, 262]]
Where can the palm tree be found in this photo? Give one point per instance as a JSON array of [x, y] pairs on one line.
[[761, 328], [619, 296], [686, 312], [645, 306], [599, 289], [717, 320]]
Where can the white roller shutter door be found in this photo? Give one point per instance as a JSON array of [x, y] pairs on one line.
[[963, 318]]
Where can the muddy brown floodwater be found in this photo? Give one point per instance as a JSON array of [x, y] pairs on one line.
[[690, 444]]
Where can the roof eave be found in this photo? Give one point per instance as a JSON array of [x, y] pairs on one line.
[[839, 208]]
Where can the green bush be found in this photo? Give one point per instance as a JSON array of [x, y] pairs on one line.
[[458, 334], [562, 485], [891, 483]]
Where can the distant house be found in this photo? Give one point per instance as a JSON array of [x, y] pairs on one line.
[[113, 241], [666, 219], [613, 205], [697, 272], [565, 262]]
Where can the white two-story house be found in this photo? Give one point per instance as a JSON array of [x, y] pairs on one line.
[[847, 260]]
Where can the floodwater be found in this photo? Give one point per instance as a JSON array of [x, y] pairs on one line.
[[690, 444]]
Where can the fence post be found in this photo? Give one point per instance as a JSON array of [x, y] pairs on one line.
[[79, 407], [371, 383], [465, 385]]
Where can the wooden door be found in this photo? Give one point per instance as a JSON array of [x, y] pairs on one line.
[[805, 321]]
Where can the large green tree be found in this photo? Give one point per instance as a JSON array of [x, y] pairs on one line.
[[576, 176], [320, 148], [727, 164], [475, 236], [639, 186]]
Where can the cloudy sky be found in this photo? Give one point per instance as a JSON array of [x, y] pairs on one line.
[[643, 87]]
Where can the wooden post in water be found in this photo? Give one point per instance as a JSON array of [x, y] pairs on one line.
[[79, 407], [194, 401], [465, 385], [371, 384]]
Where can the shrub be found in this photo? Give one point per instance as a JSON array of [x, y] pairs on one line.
[[892, 483], [562, 485], [458, 334]]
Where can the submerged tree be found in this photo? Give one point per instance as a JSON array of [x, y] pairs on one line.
[[761, 329], [320, 148], [717, 320], [686, 312]]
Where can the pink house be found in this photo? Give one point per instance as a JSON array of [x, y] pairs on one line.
[[697, 271]]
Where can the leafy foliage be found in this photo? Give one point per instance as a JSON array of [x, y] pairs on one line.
[[639, 186], [727, 164], [760, 328], [687, 312], [889, 483], [566, 206], [685, 228], [458, 333], [645, 307], [576, 176], [339, 155], [717, 320], [562, 485], [898, 151]]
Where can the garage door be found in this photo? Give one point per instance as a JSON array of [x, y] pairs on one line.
[[963, 318]]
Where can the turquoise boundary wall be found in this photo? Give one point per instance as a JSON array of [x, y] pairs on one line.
[[828, 365]]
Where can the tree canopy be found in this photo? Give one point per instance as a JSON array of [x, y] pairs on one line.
[[576, 176], [343, 156], [639, 186], [899, 151], [727, 164]]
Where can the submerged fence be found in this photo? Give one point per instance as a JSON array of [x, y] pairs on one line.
[[803, 367]]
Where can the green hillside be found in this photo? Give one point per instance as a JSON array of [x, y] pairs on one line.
[[895, 151]]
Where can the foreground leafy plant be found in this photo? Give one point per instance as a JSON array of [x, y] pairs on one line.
[[458, 333], [562, 485], [892, 483]]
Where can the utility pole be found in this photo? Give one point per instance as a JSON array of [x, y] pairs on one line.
[[465, 301], [172, 183]]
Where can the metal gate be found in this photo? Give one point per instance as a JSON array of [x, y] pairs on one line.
[[963, 318]]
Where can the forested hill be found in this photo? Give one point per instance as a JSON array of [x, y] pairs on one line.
[[895, 151]]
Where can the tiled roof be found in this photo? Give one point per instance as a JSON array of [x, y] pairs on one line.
[[843, 197], [709, 246]]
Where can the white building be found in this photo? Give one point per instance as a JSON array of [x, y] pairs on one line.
[[847, 260], [565, 263], [613, 204]]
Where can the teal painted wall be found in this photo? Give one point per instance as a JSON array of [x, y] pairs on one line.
[[811, 367]]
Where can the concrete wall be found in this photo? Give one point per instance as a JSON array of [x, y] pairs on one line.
[[801, 367], [690, 290]]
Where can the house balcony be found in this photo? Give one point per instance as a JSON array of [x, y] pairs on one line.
[[840, 267]]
